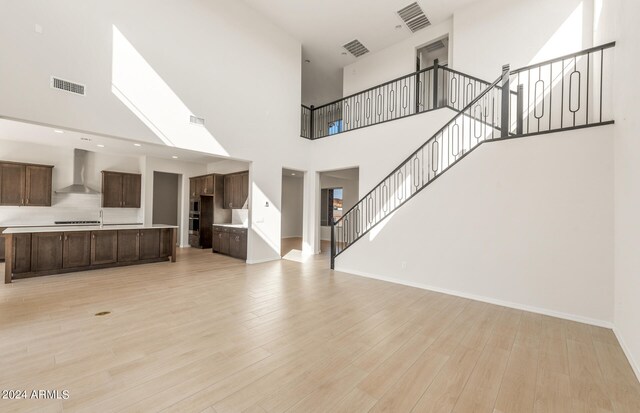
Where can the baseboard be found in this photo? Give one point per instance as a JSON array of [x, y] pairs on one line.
[[263, 260], [489, 300], [291, 236], [632, 361]]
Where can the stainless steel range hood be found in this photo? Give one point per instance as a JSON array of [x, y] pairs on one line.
[[79, 168]]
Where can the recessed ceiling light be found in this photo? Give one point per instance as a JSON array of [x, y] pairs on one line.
[[58, 131], [136, 144], [100, 145], [293, 174], [174, 157]]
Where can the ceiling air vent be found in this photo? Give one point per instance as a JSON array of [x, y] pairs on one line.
[[356, 48], [414, 17], [67, 86], [196, 120]]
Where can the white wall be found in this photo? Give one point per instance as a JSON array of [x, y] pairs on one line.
[[392, 62], [527, 222], [292, 206], [145, 74], [491, 33], [66, 207], [627, 175]]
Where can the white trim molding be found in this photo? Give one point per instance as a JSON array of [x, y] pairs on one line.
[[489, 300]]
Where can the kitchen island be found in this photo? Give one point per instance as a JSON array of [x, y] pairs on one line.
[[37, 251]]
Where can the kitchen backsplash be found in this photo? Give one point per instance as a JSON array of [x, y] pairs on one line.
[[68, 207], [240, 216]]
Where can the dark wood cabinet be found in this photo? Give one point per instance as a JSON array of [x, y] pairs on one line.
[[202, 185], [224, 243], [238, 244], [121, 190], [38, 185], [228, 191], [131, 190], [207, 185], [12, 184], [76, 249], [104, 247], [236, 190], [216, 240], [2, 244], [166, 242], [230, 241], [128, 245], [46, 251], [149, 244], [111, 190], [21, 262], [25, 184]]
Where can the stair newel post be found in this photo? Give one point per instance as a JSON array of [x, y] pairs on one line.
[[435, 83], [311, 128], [505, 104], [333, 243], [519, 110]]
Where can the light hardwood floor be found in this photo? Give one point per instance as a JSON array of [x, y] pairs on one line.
[[210, 334]]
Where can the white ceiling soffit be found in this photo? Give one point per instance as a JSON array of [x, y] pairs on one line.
[[29, 133]]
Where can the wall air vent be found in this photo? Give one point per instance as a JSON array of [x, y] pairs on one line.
[[67, 86], [414, 17], [356, 48], [196, 120], [434, 46]]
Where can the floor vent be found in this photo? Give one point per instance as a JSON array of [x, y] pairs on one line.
[[67, 86], [196, 120], [414, 17], [356, 48]]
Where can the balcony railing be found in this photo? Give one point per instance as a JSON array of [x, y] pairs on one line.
[[570, 92], [422, 91]]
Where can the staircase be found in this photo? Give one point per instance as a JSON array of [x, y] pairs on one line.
[[566, 93]]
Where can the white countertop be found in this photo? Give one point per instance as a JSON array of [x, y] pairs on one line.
[[74, 228], [231, 225]]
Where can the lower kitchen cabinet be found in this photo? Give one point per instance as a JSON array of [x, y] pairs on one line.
[[21, 262], [104, 247], [149, 244], [230, 241], [166, 242], [76, 249], [46, 251], [43, 253], [128, 245]]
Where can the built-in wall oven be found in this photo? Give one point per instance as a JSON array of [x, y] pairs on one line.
[[194, 223]]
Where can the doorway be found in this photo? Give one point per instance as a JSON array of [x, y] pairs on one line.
[[166, 198], [436, 50], [291, 221], [339, 191]]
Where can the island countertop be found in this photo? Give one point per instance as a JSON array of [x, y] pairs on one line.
[[76, 228]]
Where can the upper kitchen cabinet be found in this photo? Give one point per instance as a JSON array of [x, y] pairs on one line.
[[201, 185], [236, 190], [25, 184], [121, 190]]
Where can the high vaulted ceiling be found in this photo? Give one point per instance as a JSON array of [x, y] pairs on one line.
[[324, 26]]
